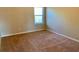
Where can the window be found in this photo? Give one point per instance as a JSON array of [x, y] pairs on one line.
[[38, 13]]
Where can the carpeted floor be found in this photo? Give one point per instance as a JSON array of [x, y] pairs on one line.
[[41, 41]]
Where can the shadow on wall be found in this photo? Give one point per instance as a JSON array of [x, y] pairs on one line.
[[64, 21], [4, 27], [53, 20]]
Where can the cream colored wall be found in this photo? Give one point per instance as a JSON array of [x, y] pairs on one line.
[[64, 21], [16, 20], [0, 43]]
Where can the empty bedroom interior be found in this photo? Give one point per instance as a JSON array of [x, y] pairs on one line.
[[39, 29]]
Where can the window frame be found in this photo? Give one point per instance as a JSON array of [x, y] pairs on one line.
[[39, 15]]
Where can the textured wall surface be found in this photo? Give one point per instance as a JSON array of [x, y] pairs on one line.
[[64, 21], [16, 20]]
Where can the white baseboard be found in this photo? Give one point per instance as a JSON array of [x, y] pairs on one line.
[[21, 33], [64, 35]]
